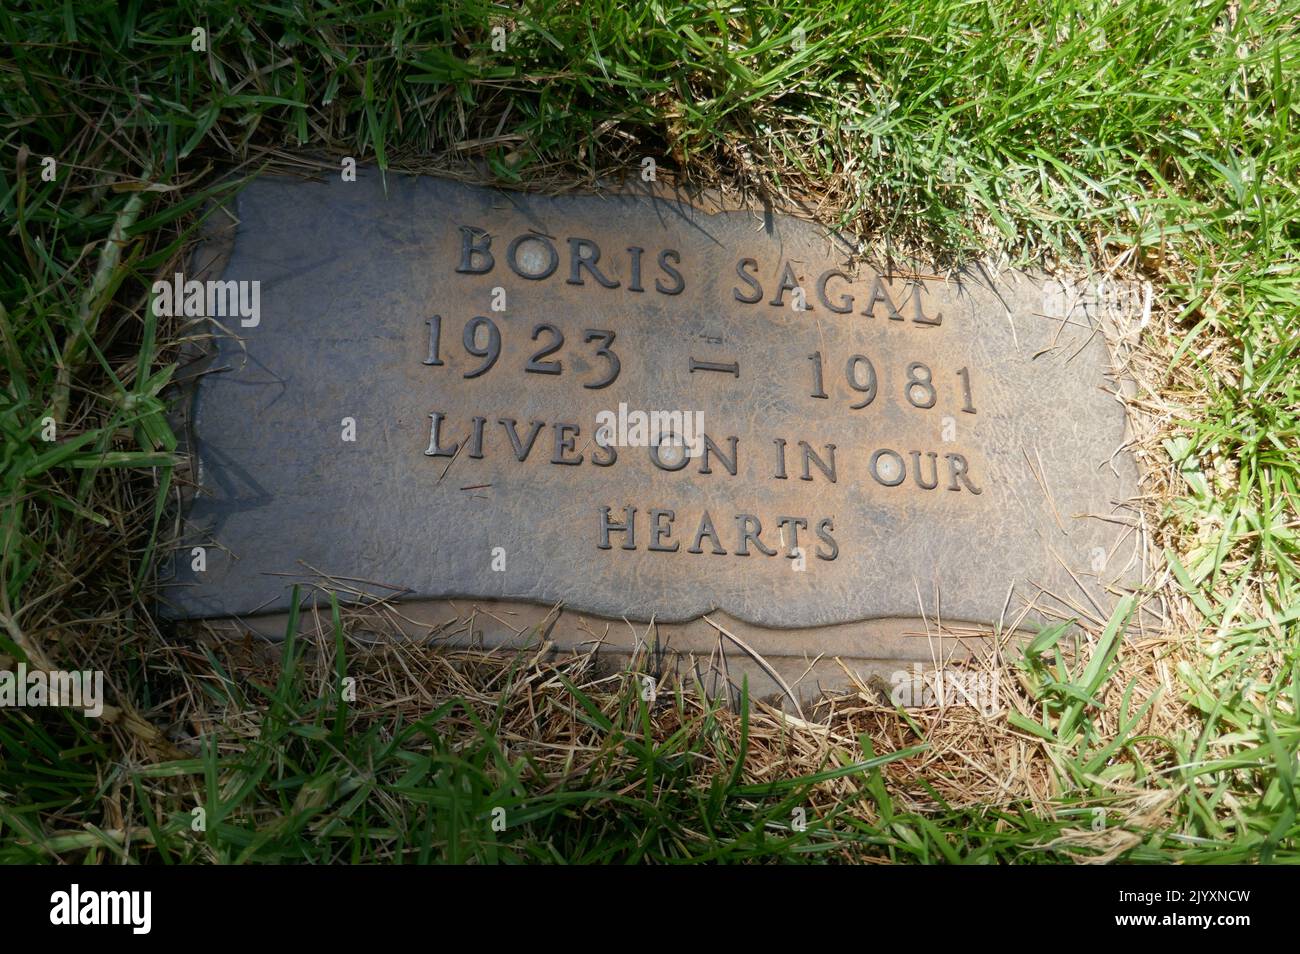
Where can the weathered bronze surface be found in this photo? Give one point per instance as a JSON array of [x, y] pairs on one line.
[[901, 446]]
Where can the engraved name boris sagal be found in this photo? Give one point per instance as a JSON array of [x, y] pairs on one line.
[[581, 261], [642, 408]]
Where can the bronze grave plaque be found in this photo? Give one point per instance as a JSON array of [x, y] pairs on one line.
[[640, 410]]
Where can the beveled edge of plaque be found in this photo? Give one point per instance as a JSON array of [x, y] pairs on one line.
[[868, 658]]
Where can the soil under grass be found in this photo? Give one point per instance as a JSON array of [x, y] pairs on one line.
[[1151, 141]]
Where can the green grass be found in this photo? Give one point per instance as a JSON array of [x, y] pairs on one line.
[[1162, 135], [305, 788]]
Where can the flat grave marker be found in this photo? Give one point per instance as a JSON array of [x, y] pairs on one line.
[[450, 391]]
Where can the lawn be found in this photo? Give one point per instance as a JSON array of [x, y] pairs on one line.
[[1154, 142]]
